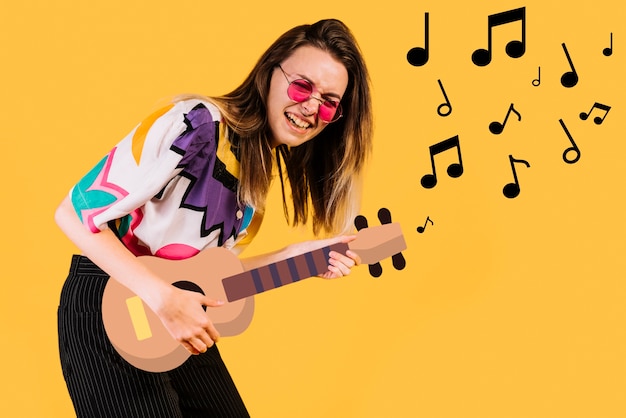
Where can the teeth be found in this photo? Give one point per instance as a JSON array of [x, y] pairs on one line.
[[297, 121]]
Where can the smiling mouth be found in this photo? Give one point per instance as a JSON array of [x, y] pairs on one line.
[[297, 122]]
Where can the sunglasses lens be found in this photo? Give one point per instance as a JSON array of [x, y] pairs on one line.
[[329, 111], [300, 90]]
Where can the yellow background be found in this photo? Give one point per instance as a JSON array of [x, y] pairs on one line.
[[507, 307]]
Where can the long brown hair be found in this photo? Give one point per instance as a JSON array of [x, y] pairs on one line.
[[325, 171]]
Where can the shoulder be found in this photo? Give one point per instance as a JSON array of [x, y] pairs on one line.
[[196, 104]]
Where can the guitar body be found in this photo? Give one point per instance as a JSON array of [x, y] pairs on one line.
[[138, 334]]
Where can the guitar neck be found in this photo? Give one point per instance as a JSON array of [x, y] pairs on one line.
[[271, 276]]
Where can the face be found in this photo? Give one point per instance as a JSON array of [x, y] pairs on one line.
[[294, 123]]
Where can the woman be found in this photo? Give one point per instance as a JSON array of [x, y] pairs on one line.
[[193, 175]]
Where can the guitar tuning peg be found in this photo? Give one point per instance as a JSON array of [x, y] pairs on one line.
[[360, 222], [384, 216], [398, 261]]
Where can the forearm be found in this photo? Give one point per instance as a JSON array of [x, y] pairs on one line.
[[105, 249]]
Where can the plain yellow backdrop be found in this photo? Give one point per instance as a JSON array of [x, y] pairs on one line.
[[507, 308]]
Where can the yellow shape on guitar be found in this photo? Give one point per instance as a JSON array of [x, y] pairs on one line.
[[138, 318]]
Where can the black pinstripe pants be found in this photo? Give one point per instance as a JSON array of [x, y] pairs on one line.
[[102, 384]]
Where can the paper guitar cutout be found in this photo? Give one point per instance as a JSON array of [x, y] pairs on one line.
[[138, 334]]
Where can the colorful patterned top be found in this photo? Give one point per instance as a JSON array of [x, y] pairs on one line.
[[169, 188]]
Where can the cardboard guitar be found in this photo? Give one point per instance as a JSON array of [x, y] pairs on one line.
[[140, 337]]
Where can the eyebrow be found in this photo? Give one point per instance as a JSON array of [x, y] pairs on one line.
[[325, 95]]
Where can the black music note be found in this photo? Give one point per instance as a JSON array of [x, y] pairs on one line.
[[418, 56], [454, 170], [496, 128], [514, 49], [537, 80], [569, 78], [421, 229], [597, 120], [574, 148], [446, 104], [609, 51], [512, 190]]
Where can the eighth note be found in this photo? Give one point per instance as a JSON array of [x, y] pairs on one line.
[[496, 128], [421, 229], [574, 148], [569, 78], [446, 104], [597, 120], [418, 56], [512, 190], [609, 51], [454, 170], [514, 49], [537, 80]]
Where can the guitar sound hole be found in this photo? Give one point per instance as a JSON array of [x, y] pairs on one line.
[[185, 285]]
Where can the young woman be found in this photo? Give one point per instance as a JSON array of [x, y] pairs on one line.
[[193, 175]]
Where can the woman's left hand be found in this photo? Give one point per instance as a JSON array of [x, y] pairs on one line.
[[340, 265]]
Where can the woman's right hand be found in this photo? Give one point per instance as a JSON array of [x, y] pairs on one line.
[[182, 314]]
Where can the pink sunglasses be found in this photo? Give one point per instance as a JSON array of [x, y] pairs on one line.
[[301, 90]]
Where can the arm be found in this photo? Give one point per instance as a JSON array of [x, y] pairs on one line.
[[180, 310]]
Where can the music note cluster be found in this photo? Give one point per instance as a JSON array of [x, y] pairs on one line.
[[481, 57]]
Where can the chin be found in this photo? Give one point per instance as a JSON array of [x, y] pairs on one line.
[[293, 142], [293, 139]]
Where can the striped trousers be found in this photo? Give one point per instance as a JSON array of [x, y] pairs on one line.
[[102, 384]]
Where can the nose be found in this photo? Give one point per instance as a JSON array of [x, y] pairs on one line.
[[310, 107]]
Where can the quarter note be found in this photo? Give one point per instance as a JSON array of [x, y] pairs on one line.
[[537, 80], [515, 48], [496, 128], [447, 103], [421, 229], [574, 148], [609, 51], [418, 56], [512, 190], [454, 170], [569, 78], [597, 120]]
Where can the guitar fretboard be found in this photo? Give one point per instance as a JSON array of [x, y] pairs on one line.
[[291, 270]]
